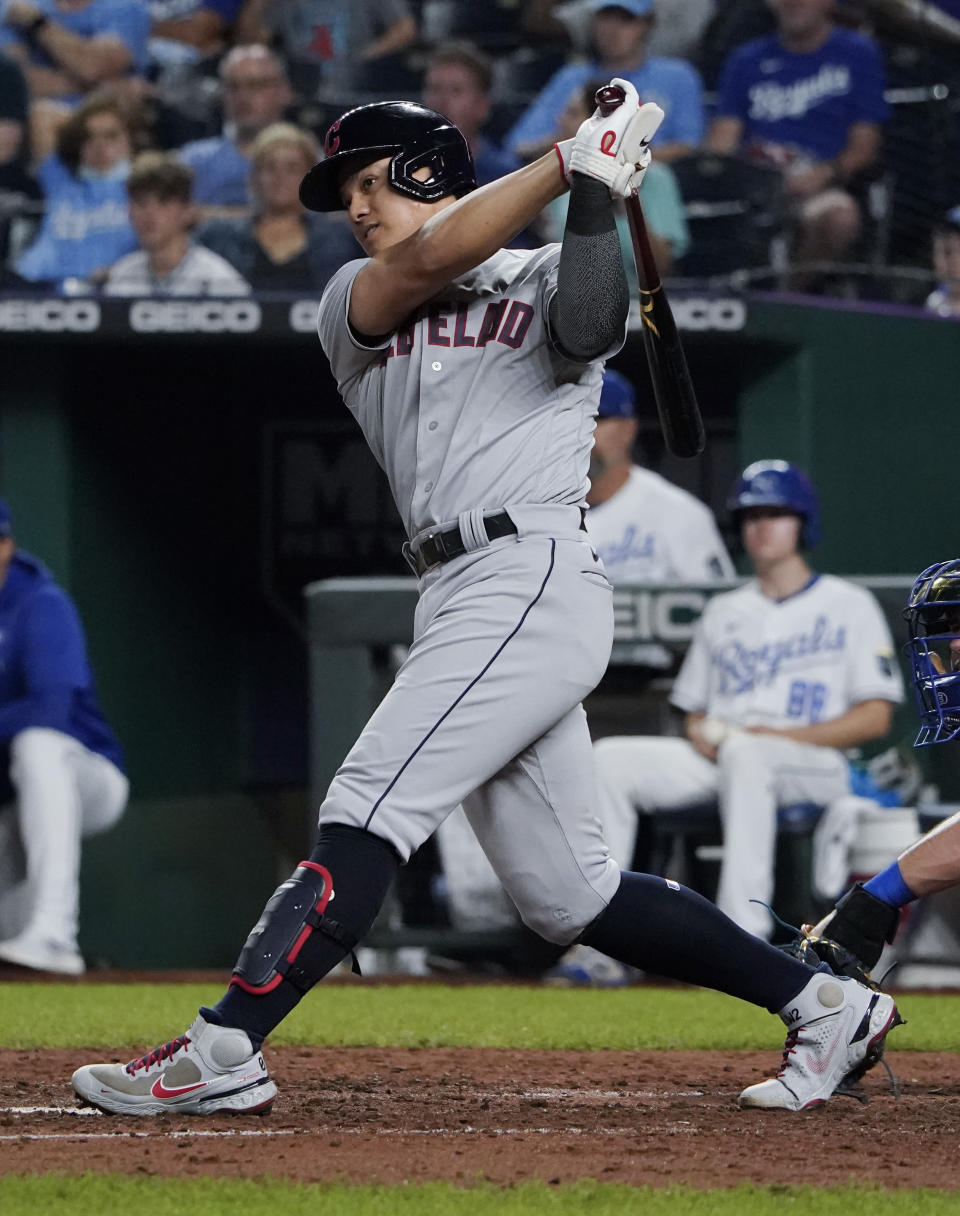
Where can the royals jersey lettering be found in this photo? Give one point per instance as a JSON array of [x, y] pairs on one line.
[[651, 531], [790, 662]]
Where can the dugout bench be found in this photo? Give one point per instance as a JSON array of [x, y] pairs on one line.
[[354, 627]]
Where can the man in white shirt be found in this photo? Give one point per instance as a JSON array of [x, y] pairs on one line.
[[644, 528], [168, 263], [783, 675]]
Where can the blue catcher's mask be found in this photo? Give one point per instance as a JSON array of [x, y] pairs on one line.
[[933, 617]]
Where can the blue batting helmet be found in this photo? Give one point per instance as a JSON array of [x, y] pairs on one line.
[[777, 483], [933, 619]]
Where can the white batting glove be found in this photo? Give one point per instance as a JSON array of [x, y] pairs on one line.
[[613, 148], [563, 148]]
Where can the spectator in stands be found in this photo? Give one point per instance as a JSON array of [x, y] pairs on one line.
[[69, 48], [733, 23], [809, 99], [282, 247], [20, 193], [676, 29], [168, 262], [86, 226], [14, 113], [332, 46], [945, 301], [256, 93], [620, 33], [457, 84], [662, 202], [188, 31], [61, 765]]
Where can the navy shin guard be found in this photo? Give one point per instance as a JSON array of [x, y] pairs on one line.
[[310, 923]]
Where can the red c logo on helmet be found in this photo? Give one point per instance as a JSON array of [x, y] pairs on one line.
[[332, 142], [607, 140]]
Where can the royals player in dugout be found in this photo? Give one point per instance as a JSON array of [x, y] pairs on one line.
[[474, 372]]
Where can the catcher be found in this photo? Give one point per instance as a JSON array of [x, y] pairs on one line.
[[868, 915]]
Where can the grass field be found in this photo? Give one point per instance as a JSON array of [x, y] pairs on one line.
[[55, 1195], [421, 1015], [129, 1016]]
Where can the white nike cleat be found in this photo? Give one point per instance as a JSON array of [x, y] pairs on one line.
[[837, 1029], [209, 1070]]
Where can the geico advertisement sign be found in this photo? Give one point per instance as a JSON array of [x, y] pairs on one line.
[[49, 316], [663, 616], [195, 317], [701, 314], [303, 316]]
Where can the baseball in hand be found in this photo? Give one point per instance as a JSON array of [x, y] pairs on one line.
[[713, 731]]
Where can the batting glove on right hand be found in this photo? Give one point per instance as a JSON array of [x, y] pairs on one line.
[[613, 148]]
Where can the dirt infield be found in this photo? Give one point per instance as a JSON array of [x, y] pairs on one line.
[[384, 1115]]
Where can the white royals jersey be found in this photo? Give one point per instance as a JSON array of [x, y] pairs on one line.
[[470, 404], [651, 531], [808, 658]]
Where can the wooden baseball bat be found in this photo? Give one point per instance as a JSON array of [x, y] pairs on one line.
[[679, 413]]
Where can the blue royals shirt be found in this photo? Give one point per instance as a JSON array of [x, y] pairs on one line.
[[45, 677], [86, 226], [220, 171], [127, 20], [806, 101]]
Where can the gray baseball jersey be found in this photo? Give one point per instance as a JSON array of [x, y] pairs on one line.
[[470, 405], [470, 409]]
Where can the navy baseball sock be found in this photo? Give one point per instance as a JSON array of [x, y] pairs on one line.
[[362, 867], [662, 927]]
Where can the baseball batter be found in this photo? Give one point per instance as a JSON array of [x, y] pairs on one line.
[[474, 373], [868, 914], [782, 675]]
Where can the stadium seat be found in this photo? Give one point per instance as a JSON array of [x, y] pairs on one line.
[[734, 211]]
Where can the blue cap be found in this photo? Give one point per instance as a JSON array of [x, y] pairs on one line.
[[617, 397], [6, 523], [636, 8]]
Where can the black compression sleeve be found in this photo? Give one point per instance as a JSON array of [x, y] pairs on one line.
[[590, 308]]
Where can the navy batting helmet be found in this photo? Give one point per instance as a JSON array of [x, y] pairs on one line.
[[933, 618], [411, 135], [777, 483]]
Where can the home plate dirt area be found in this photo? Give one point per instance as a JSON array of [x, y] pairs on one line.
[[388, 1115]]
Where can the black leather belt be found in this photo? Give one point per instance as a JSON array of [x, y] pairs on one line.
[[447, 544]]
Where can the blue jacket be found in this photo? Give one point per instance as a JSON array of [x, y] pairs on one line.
[[45, 676]]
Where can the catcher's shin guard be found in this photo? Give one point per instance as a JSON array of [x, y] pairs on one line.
[[862, 923], [293, 912]]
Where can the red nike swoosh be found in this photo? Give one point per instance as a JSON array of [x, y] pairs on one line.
[[159, 1090], [820, 1066]]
